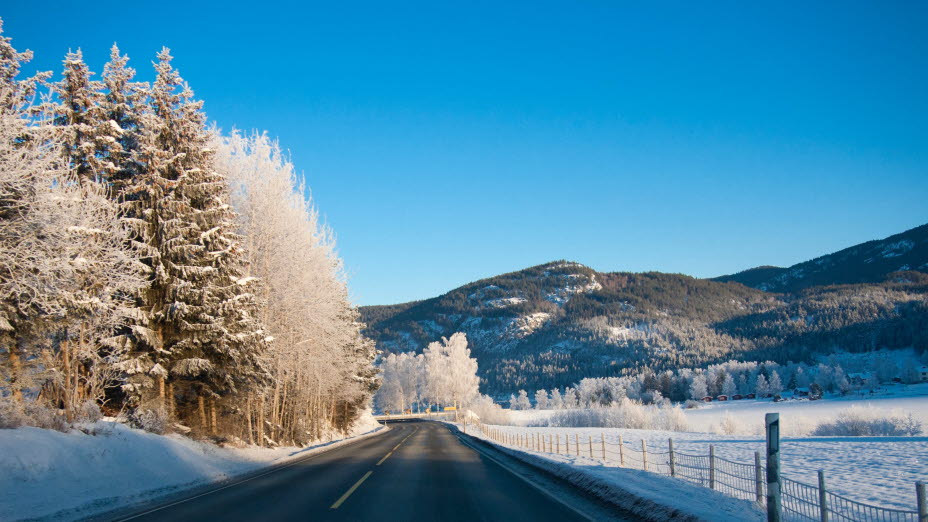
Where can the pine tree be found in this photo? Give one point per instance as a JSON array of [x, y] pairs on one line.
[[200, 338], [122, 106], [77, 114]]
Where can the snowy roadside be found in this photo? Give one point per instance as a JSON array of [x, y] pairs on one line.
[[45, 474], [650, 496]]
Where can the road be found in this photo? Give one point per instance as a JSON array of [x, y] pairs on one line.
[[415, 471]]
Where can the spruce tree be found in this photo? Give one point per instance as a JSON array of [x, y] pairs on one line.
[[200, 340]]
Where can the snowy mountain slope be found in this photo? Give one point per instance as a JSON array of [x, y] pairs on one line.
[[554, 324], [868, 262]]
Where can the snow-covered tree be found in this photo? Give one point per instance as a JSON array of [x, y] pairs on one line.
[[698, 387], [318, 357], [762, 388], [775, 385], [452, 372], [199, 339], [541, 399], [522, 402], [728, 386]]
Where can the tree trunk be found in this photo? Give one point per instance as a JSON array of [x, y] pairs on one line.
[[170, 400], [16, 372], [68, 390], [212, 412], [248, 408], [202, 409]]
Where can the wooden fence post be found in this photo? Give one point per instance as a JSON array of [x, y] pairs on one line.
[[772, 422], [558, 444], [591, 445], [758, 479], [621, 452], [922, 500], [711, 466], [603, 435], [673, 471], [577, 444], [822, 497], [644, 454]]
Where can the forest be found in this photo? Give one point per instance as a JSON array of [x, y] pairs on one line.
[[158, 269]]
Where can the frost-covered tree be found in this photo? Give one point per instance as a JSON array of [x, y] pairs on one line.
[[198, 339], [557, 402], [321, 364], [522, 402], [541, 400], [698, 387], [452, 372], [775, 385], [728, 386], [762, 388], [122, 106]]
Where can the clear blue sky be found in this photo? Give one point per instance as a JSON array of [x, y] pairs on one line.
[[445, 143]]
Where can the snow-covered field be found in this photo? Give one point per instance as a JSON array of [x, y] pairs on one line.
[[875, 470], [799, 417], [64, 476]]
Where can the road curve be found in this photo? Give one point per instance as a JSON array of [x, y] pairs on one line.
[[416, 471]]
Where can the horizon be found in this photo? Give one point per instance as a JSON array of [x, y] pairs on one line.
[[447, 145]]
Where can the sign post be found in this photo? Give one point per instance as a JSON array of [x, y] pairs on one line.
[[772, 422]]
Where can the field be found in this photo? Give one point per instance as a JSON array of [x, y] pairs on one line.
[[876, 470]]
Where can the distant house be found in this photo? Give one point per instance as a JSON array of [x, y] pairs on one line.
[[751, 396], [706, 399], [923, 373], [859, 379], [802, 392], [737, 397], [721, 398]]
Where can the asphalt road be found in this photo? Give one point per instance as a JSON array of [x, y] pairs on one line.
[[416, 471]]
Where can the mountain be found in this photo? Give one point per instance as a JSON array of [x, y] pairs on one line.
[[550, 325], [868, 262]]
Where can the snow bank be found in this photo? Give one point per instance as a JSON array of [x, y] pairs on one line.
[[650, 496], [48, 474]]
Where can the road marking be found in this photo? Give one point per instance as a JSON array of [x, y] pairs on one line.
[[384, 458], [397, 446], [273, 469], [350, 491]]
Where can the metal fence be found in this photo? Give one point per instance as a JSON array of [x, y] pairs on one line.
[[748, 481]]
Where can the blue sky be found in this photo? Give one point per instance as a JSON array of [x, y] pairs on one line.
[[448, 142]]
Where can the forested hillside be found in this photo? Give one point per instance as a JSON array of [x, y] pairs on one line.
[[552, 325], [868, 262]]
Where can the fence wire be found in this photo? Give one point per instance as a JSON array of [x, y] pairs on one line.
[[799, 502]]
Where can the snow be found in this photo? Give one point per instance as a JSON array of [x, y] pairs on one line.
[[65, 476], [875, 470]]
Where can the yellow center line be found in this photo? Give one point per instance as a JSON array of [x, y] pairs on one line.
[[384, 458], [350, 491], [397, 446]]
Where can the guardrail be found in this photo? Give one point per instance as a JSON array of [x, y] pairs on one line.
[[748, 481]]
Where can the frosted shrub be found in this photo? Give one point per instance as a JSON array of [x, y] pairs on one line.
[[89, 412], [14, 415], [730, 426], [625, 414], [488, 411], [862, 422], [11, 415], [673, 419], [155, 421]]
